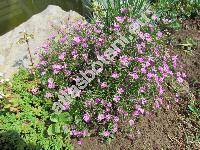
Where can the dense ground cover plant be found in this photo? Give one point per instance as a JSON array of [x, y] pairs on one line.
[[25, 118], [132, 84]]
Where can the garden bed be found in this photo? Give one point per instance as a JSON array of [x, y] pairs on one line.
[[168, 129]]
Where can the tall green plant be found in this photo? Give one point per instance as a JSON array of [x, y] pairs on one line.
[[107, 10]]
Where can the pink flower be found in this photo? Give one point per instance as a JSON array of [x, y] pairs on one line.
[[48, 95], [84, 45], [116, 98], [124, 60], [62, 56], [174, 60], [101, 117], [66, 105], [140, 59], [124, 10], [85, 56], [184, 75], [74, 53], [108, 117], [34, 91], [86, 117], [116, 119], [56, 68], [117, 52], [143, 101], [109, 104], [115, 75], [159, 34], [134, 75], [149, 75], [148, 37], [77, 39], [62, 40], [116, 26], [154, 17], [104, 85], [161, 90], [131, 122], [143, 70], [51, 85], [120, 19], [52, 36], [106, 133], [115, 128], [156, 103], [142, 89], [180, 80], [85, 133], [120, 91], [80, 142], [97, 100]]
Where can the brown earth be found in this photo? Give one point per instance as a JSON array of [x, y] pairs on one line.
[[172, 129]]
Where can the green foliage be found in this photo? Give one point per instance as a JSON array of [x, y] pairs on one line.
[[107, 10], [27, 117], [176, 10]]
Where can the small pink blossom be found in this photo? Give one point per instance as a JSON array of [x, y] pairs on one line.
[[115, 75], [101, 117], [86, 117], [104, 85], [120, 91], [63, 39], [143, 101], [116, 98], [143, 70], [131, 122], [142, 89], [180, 80], [106, 133], [66, 106], [119, 19], [48, 95], [80, 142], [115, 128], [124, 10], [62, 56], [154, 17], [134, 75], [52, 36], [108, 117], [77, 39], [156, 103], [51, 84], [34, 91], [116, 119], [148, 37], [74, 53], [159, 34], [124, 60]]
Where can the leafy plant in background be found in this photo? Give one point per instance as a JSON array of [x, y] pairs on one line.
[[27, 116], [176, 10], [106, 10]]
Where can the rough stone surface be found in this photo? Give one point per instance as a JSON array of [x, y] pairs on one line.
[[13, 54]]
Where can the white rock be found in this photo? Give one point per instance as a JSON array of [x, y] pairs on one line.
[[40, 26]]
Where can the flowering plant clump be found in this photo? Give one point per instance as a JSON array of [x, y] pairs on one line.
[[132, 83]]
